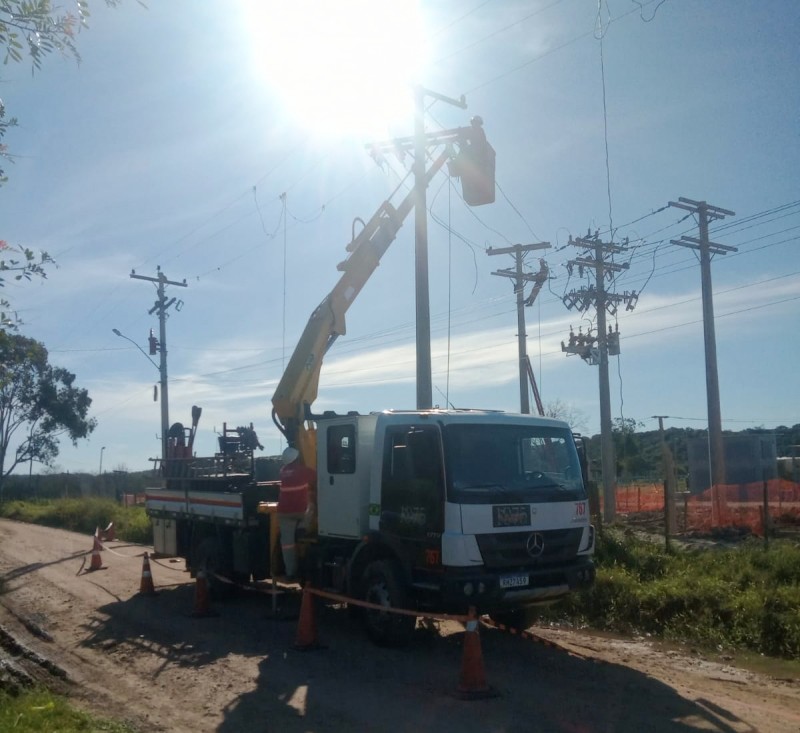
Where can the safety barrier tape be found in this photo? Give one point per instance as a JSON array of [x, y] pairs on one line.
[[461, 618], [339, 598], [469, 622], [118, 554], [103, 548], [160, 564]]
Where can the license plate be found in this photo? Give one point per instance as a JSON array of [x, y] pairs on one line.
[[514, 581]]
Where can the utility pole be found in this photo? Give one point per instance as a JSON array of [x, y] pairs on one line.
[[596, 349], [669, 482], [424, 377], [161, 306], [520, 278], [475, 165], [704, 213]]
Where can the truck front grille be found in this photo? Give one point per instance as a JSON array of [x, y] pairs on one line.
[[510, 549]]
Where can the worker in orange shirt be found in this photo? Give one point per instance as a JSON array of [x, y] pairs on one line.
[[296, 482]]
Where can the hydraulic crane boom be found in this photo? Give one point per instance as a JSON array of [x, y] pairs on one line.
[[299, 384]]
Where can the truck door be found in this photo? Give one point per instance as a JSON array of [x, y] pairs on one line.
[[413, 493], [342, 482]]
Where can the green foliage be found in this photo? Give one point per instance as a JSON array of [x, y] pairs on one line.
[[38, 711], [84, 515], [38, 402], [639, 453], [742, 597], [21, 261]]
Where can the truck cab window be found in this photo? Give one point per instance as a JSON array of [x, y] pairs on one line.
[[412, 491], [512, 463], [341, 449]]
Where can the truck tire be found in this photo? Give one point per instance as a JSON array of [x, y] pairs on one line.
[[208, 556], [518, 619], [382, 585]]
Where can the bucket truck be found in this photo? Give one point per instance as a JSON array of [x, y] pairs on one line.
[[430, 509]]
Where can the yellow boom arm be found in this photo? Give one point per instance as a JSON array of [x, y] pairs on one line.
[[299, 384]]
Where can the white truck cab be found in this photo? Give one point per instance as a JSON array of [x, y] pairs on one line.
[[467, 507]]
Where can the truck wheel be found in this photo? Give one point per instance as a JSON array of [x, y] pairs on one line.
[[208, 556], [518, 619], [381, 585]]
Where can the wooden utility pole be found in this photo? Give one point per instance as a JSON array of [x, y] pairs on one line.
[[594, 258], [160, 307], [704, 213], [520, 278]]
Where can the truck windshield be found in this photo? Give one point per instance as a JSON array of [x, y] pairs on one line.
[[511, 463]]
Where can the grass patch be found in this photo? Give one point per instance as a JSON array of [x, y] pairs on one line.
[[744, 597], [42, 712], [83, 515]]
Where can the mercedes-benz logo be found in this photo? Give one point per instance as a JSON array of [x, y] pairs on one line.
[[535, 545]]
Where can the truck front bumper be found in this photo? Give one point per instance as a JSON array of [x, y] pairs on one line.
[[487, 590]]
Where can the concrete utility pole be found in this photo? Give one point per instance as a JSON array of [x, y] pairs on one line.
[[424, 378], [161, 306], [475, 165], [669, 482], [520, 278], [594, 257], [704, 213]]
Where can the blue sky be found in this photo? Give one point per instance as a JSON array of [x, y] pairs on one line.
[[173, 141]]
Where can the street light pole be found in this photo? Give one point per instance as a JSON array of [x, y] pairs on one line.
[[163, 372], [100, 472]]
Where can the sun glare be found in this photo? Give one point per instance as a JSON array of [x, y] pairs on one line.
[[343, 68]]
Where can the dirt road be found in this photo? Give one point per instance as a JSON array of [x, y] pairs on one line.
[[146, 660]]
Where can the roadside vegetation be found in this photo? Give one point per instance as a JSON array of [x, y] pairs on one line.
[[84, 516], [38, 711], [744, 597]]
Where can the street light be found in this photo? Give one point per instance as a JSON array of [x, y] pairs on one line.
[[101, 460], [123, 336], [162, 368]]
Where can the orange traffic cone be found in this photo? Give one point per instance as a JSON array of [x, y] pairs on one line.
[[146, 587], [306, 637], [97, 562], [472, 684], [202, 606], [109, 533]]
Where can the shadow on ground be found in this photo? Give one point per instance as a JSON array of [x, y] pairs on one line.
[[352, 685]]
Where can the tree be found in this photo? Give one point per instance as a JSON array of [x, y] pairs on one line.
[[575, 418], [627, 447], [25, 264], [39, 403]]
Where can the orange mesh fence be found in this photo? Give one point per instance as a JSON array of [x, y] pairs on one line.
[[737, 505], [640, 498], [742, 505]]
